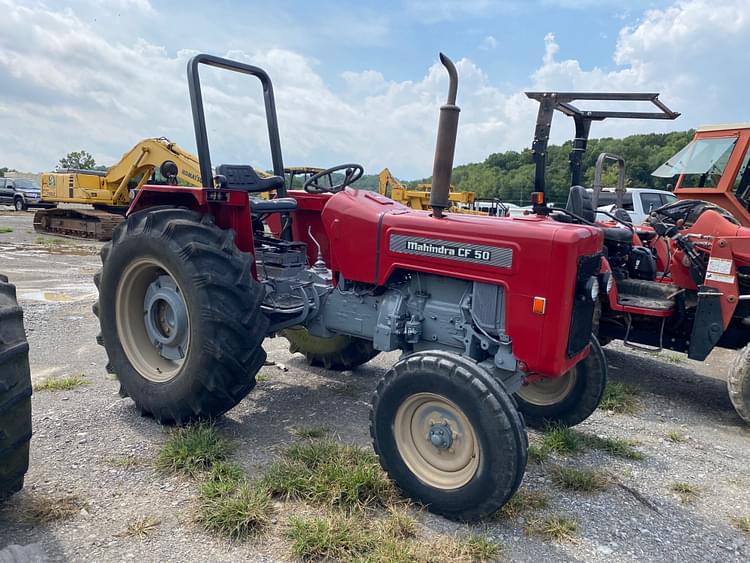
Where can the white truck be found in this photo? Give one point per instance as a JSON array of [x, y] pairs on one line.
[[638, 202]]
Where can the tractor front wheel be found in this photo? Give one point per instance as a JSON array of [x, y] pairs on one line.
[[15, 393], [448, 434], [738, 383], [180, 315], [568, 399], [337, 352]]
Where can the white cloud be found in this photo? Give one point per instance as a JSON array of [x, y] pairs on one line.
[[78, 88], [488, 43]]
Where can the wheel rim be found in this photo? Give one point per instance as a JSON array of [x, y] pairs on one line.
[[152, 320], [549, 391], [437, 441], [19, 205]]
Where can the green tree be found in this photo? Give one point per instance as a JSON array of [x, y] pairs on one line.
[[80, 160], [2, 172]]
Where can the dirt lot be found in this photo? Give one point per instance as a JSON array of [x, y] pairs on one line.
[[685, 428]]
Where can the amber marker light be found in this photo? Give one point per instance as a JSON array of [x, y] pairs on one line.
[[540, 304]]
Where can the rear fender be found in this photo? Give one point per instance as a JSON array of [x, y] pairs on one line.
[[229, 208]]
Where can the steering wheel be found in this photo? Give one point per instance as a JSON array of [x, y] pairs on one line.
[[352, 173]]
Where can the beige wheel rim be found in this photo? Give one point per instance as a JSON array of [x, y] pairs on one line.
[[436, 441], [131, 312], [549, 391]]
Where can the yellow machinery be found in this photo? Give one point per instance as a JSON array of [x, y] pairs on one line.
[[461, 202], [109, 192]]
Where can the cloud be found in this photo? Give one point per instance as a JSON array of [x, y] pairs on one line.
[[488, 43], [79, 88]]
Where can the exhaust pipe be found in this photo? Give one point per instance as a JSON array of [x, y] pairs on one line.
[[445, 146]]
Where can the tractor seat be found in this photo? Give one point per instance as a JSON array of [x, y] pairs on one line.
[[278, 205], [615, 234], [646, 236], [245, 178]]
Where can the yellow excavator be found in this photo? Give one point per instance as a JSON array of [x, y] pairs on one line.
[[109, 192], [461, 202]]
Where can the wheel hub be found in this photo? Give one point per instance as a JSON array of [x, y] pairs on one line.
[[549, 391], [166, 318], [437, 441]]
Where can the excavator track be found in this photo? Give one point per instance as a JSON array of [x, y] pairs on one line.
[[93, 224]]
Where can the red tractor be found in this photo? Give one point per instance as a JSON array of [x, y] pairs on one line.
[[195, 279], [682, 280]]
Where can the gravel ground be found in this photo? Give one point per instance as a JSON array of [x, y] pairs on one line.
[[79, 435]]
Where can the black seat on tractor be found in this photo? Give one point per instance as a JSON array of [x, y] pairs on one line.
[[277, 205], [245, 178], [579, 203]]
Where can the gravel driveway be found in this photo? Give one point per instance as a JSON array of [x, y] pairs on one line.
[[91, 445]]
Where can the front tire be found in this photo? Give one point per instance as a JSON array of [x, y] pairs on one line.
[[15, 393], [337, 353], [19, 204], [180, 315], [449, 434], [569, 399], [738, 383]]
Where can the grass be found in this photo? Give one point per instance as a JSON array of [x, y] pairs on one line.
[[620, 398], [42, 509], [743, 523], [676, 437], [340, 537], [328, 473], [261, 377], [554, 528], [62, 383], [143, 527], [127, 462], [46, 241], [240, 510], [564, 440], [686, 491], [537, 454], [310, 432], [6, 229], [581, 480], [523, 501], [192, 449]]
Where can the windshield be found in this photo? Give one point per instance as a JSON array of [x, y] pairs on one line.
[[25, 185], [702, 162]]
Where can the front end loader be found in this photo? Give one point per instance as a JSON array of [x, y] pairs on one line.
[[196, 278]]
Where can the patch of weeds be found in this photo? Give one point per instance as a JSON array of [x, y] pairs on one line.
[[329, 473], [523, 501], [310, 432], [62, 383], [6, 229], [47, 241], [743, 523], [127, 462], [191, 449], [262, 377], [620, 398], [221, 480], [347, 390], [333, 537], [613, 446], [143, 527], [676, 437], [537, 454], [686, 491], [562, 440], [399, 524], [582, 480], [466, 549], [41, 509], [234, 510], [554, 528]]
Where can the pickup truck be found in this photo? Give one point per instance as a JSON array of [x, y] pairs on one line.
[[638, 202]]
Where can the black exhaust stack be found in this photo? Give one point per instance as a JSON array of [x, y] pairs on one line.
[[445, 147]]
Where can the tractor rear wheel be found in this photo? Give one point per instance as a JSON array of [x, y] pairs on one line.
[[568, 399], [738, 383], [337, 353], [448, 434], [15, 393], [180, 315]]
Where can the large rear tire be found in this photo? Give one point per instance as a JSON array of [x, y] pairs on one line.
[[738, 383], [15, 393], [569, 399], [449, 434], [180, 315], [337, 353]]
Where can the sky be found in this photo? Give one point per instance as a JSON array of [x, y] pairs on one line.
[[354, 81]]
